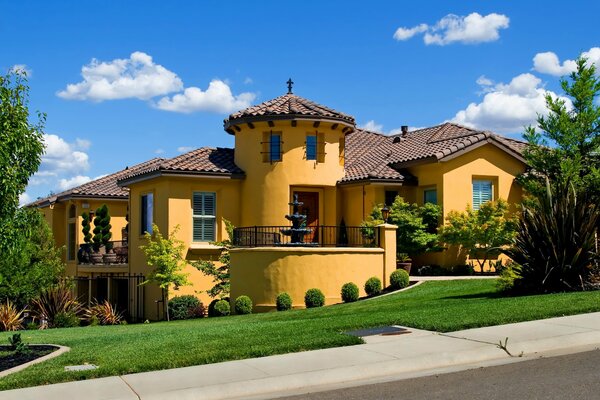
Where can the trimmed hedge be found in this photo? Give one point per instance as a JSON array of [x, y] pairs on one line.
[[314, 298], [222, 308], [283, 301], [373, 286], [243, 305], [184, 307], [399, 279], [349, 292]]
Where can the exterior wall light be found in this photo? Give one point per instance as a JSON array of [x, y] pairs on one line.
[[385, 211]]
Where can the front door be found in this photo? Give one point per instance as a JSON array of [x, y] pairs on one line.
[[311, 210]]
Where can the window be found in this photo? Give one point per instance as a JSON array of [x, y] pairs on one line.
[[147, 213], [71, 241], [390, 196], [430, 196], [311, 147], [275, 147], [72, 211], [204, 216], [342, 145], [482, 192]]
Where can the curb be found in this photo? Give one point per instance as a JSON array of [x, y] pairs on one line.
[[55, 353]]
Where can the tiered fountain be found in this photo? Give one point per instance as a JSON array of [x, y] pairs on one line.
[[296, 232]]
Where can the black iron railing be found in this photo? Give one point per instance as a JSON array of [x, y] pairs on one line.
[[321, 235]]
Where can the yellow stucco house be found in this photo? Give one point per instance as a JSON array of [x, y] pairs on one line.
[[285, 147]]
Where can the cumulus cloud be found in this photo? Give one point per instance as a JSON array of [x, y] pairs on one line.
[[159, 151], [472, 29], [62, 157], [77, 180], [507, 108], [549, 63], [217, 98], [372, 126], [134, 77], [21, 68], [185, 149]]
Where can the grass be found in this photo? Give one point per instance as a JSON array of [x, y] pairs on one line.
[[440, 306]]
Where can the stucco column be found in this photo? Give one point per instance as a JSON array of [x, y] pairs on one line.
[[387, 241]]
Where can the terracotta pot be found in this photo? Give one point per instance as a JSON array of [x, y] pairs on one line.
[[96, 258], [405, 265], [109, 258]]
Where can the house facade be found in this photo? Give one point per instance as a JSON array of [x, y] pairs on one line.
[[288, 147]]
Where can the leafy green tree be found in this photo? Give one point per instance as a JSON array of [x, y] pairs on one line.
[[480, 232], [21, 149], [34, 263], [565, 145], [165, 256], [220, 274]]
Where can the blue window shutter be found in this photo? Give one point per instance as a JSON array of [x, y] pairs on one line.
[[311, 147], [482, 193], [275, 147]]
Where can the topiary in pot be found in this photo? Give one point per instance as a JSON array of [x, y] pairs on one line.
[[103, 217], [349, 292], [283, 301], [96, 257], [243, 305], [399, 279], [222, 308], [373, 286], [314, 298], [85, 249]]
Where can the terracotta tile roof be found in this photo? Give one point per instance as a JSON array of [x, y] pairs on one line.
[[202, 161], [372, 155], [289, 105], [105, 186]]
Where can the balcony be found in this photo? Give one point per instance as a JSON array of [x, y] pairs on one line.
[[319, 236], [117, 257]]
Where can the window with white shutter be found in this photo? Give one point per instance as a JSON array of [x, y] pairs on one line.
[[204, 206], [482, 192]]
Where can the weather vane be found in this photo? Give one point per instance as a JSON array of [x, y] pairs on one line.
[[290, 83]]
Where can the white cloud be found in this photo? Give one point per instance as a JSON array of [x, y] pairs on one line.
[[159, 151], [474, 28], [134, 77], [548, 62], [24, 198], [372, 126], [507, 108], [483, 81], [82, 144], [217, 98], [77, 180], [407, 33], [63, 157], [185, 149], [248, 81], [21, 68]]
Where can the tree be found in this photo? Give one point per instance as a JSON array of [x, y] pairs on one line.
[[220, 274], [165, 255], [21, 149], [34, 263], [565, 146], [480, 232]]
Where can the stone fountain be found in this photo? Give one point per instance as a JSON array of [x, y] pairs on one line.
[[297, 232]]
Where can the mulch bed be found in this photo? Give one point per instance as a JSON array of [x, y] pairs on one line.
[[8, 358]]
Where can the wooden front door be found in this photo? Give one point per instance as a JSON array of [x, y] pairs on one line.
[[311, 210]]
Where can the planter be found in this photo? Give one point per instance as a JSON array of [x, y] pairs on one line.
[[109, 258], [96, 258], [83, 254], [405, 265]]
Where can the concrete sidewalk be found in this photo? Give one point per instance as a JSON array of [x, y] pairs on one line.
[[381, 358]]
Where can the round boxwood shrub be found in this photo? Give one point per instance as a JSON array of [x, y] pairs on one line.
[[283, 301], [211, 307], [399, 279], [222, 308], [373, 286], [349, 292], [243, 305], [182, 307], [314, 298]]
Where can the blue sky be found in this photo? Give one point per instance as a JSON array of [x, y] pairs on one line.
[[167, 73]]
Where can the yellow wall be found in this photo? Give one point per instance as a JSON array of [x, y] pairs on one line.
[[262, 273]]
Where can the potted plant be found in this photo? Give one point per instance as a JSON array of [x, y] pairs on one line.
[[403, 261], [109, 256], [96, 257], [83, 255]]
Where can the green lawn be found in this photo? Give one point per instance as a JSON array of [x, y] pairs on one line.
[[440, 306]]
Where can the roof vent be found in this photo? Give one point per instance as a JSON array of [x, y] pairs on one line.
[[396, 139]]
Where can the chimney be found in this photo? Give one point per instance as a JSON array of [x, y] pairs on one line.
[[404, 129]]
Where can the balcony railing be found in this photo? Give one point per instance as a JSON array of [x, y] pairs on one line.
[[118, 256], [321, 235]]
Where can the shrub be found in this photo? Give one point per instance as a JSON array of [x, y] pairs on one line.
[[11, 319], [55, 301], [17, 345], [103, 314], [32, 326], [283, 301], [373, 286], [182, 307], [349, 292], [66, 319], [198, 312], [314, 298], [243, 305], [222, 308], [399, 279]]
